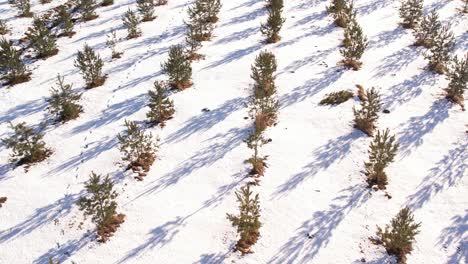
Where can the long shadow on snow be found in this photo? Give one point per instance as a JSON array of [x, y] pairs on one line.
[[114, 113], [234, 55], [323, 157], [211, 258], [417, 127], [206, 120], [223, 144], [373, 6], [252, 15], [64, 252], [309, 60], [301, 249], [386, 37], [396, 61], [23, 110], [238, 36], [456, 233], [443, 175], [41, 217], [311, 87]]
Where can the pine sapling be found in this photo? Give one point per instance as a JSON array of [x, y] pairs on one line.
[[465, 6], [382, 151], [355, 45], [131, 21], [336, 98], [411, 12], [427, 30], [3, 28], [111, 42], [90, 64], [458, 76], [254, 142], [440, 52], [160, 2], [27, 145], [87, 9], [336, 6], [146, 9], [42, 40], [100, 203], [63, 101], [24, 7], [161, 107], [345, 15], [12, 66], [247, 222], [137, 148], [64, 18], [398, 238], [263, 71], [366, 116], [107, 2], [178, 68], [198, 17], [193, 43], [273, 24], [212, 10]]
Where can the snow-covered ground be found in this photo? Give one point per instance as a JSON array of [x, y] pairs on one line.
[[314, 183]]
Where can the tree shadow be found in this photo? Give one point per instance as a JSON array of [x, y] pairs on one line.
[[114, 113], [301, 249], [443, 175], [456, 233], [373, 6], [311, 87], [323, 157], [23, 110], [386, 37], [41, 217], [245, 17], [206, 120], [238, 35], [397, 61], [65, 251], [211, 258], [234, 55], [417, 127], [311, 31], [408, 89], [312, 59]]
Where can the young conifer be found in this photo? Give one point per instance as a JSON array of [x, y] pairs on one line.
[[27, 145], [399, 236], [24, 7], [336, 98], [355, 44], [3, 28], [90, 65], [100, 203], [440, 52], [274, 22], [161, 107], [87, 9], [201, 29], [458, 76], [193, 43], [64, 18], [137, 148], [107, 2], [131, 22], [382, 151], [254, 142], [178, 68], [366, 116], [336, 6], [42, 40], [146, 9], [247, 221], [212, 10], [11, 64], [411, 12], [465, 6], [63, 101], [160, 2], [111, 42], [427, 30], [345, 14]]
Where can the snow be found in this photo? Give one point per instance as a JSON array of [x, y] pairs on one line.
[[314, 184]]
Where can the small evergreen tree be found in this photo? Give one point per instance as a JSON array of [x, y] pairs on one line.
[[439, 53], [42, 40], [138, 148], [178, 68], [131, 22], [63, 101], [26, 144], [411, 12], [24, 7], [212, 10], [100, 204], [458, 77], [263, 72], [193, 42], [345, 14], [90, 65], [274, 22], [255, 141], [160, 2], [336, 6], [111, 42], [382, 151], [11, 64], [366, 116], [88, 9], [248, 221], [64, 18], [161, 107], [146, 9], [398, 238], [3, 28], [201, 29], [336, 98], [427, 30], [465, 6], [355, 44]]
